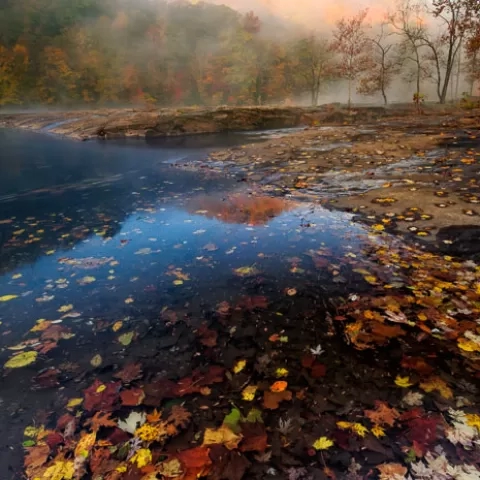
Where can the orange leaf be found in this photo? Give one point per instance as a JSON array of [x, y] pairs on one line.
[[271, 400], [132, 397], [279, 386]]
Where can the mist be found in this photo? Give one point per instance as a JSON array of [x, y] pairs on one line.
[[159, 53]]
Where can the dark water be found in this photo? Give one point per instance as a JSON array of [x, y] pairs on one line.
[[96, 233]]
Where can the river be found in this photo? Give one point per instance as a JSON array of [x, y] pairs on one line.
[[110, 255]]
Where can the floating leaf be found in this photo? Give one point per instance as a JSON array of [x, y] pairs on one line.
[[7, 298], [279, 387], [117, 326], [126, 338], [65, 308], [232, 420], [96, 361], [142, 457], [74, 402], [21, 360]]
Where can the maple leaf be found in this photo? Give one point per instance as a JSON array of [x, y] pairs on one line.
[[322, 443], [207, 336], [194, 458], [154, 417], [383, 414], [100, 419], [61, 469], [101, 396], [142, 457], [179, 416], [392, 471], [438, 384], [424, 431], [130, 372], [101, 462], [132, 422]]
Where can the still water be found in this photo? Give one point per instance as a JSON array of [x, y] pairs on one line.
[[98, 234]]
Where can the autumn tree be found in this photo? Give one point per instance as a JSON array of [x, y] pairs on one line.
[[313, 64], [352, 45]]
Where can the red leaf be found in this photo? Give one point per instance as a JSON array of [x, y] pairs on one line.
[[64, 420], [308, 360], [101, 462], [251, 303], [194, 457], [100, 396], [54, 439], [423, 431], [47, 379], [118, 436], [132, 397], [318, 370], [194, 384], [416, 412]]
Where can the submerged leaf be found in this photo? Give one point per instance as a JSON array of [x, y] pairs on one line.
[[21, 360]]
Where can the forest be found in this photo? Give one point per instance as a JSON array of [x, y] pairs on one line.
[[175, 53]]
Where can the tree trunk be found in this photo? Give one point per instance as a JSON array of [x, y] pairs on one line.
[[349, 93], [419, 71]]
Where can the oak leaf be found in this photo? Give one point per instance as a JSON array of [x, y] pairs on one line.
[[179, 416], [35, 459], [101, 419], [392, 471]]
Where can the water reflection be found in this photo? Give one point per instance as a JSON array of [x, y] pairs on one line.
[[240, 208]]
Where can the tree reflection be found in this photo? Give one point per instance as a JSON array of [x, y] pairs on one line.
[[240, 208]]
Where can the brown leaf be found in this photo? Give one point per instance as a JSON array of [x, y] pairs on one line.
[[100, 419], [54, 439], [194, 384], [130, 372], [132, 397], [55, 333], [207, 336], [383, 414], [318, 370], [271, 400], [101, 462], [390, 470], [35, 459], [64, 420], [254, 437], [179, 416]]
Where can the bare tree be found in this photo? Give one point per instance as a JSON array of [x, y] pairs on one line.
[[408, 23], [313, 64], [386, 63], [352, 44]]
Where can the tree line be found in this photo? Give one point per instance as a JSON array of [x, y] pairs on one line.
[[194, 53]]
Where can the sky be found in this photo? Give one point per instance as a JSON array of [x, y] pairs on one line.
[[312, 13]]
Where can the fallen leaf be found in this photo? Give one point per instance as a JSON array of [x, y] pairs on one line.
[[21, 360], [130, 372], [142, 457], [322, 443], [132, 397], [383, 414], [222, 436], [392, 471], [85, 444], [96, 361], [179, 416], [403, 382], [7, 298], [74, 402], [279, 386], [271, 400], [101, 419], [101, 396], [126, 338]]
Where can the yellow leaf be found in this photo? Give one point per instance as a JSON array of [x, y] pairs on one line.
[[322, 443], [403, 382], [101, 388], [359, 429], [85, 445], [248, 393], [378, 228], [60, 470], [239, 366], [344, 425], [436, 383], [378, 431], [21, 360], [16, 276], [96, 361], [468, 345], [129, 300], [473, 420], [281, 372], [7, 298], [221, 436], [142, 457], [65, 308], [178, 282], [117, 326], [246, 271], [74, 402]]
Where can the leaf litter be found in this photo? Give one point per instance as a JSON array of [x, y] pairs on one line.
[[371, 379]]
